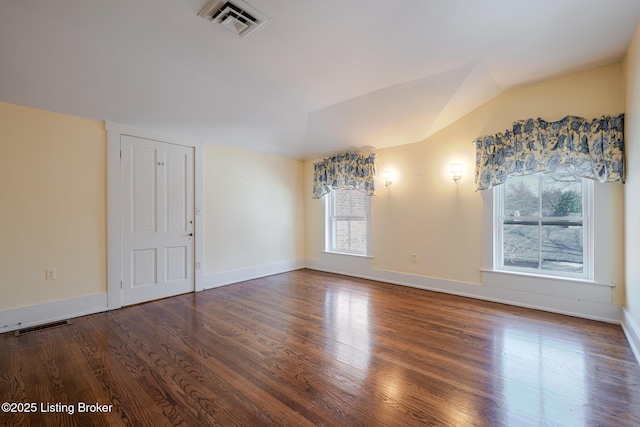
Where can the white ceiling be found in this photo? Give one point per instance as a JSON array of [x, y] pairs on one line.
[[320, 76]]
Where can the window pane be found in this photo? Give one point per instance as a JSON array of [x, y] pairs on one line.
[[521, 196], [358, 236], [562, 248], [358, 203], [561, 195], [549, 237], [520, 246], [347, 215], [342, 235], [343, 202]]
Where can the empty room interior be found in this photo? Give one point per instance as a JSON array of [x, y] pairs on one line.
[[276, 212]]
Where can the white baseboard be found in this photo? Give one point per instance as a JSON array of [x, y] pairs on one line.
[[22, 317], [576, 306], [632, 331], [34, 315], [234, 276]]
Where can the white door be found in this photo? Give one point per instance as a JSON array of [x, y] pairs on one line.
[[157, 220]]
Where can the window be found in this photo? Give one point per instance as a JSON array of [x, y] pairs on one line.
[[543, 225], [348, 225]]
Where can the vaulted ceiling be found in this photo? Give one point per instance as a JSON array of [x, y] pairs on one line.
[[318, 77]]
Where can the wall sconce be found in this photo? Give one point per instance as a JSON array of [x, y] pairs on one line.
[[455, 169], [387, 178]]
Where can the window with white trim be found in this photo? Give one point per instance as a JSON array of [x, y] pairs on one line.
[[348, 214], [544, 225]]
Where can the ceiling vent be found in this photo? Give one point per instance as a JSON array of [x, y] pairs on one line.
[[237, 16]]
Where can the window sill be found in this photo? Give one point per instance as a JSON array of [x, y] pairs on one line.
[[347, 254], [547, 278]]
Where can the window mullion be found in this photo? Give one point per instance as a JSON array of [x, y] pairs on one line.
[[540, 191], [499, 224], [587, 229], [350, 217], [539, 233], [334, 220]]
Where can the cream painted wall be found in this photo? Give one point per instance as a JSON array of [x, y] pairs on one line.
[[253, 209], [632, 185], [426, 213], [258, 209], [53, 193]]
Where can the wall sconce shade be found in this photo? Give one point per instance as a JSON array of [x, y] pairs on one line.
[[387, 178], [455, 169]]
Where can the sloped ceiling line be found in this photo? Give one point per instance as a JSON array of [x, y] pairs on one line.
[[310, 81]]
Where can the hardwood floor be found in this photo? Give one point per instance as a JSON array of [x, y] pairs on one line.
[[310, 348]]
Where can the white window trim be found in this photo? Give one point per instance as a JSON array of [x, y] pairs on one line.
[[600, 244], [328, 228]]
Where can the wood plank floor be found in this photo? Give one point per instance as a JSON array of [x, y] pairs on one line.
[[310, 348]]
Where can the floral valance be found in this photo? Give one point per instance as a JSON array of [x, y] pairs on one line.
[[594, 148], [348, 170]]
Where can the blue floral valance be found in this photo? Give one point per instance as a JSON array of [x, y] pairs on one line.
[[594, 148], [349, 170]]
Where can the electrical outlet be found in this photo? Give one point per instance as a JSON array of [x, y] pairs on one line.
[[198, 265], [51, 274], [414, 257]]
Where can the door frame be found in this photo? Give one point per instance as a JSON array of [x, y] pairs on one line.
[[114, 206]]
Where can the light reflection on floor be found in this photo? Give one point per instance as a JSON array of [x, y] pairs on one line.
[[542, 378], [535, 374], [347, 322]]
